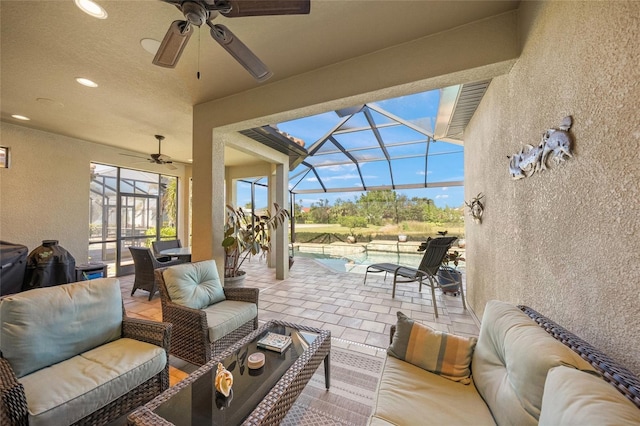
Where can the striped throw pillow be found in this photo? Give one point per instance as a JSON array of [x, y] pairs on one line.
[[441, 353]]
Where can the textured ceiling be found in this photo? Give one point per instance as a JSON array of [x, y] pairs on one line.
[[45, 45]]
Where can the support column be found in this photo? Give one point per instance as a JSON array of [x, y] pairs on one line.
[[208, 196], [281, 241]]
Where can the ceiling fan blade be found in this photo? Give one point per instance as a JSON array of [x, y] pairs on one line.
[[173, 44], [170, 166], [163, 157], [239, 8], [240, 52]]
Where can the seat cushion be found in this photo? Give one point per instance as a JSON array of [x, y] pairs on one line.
[[511, 361], [194, 285], [226, 316], [574, 397], [438, 352], [70, 390], [44, 326], [409, 395]]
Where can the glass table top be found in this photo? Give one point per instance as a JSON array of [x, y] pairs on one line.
[[200, 404]]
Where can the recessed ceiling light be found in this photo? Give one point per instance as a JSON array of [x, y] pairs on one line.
[[86, 82], [91, 8], [20, 117], [150, 45]]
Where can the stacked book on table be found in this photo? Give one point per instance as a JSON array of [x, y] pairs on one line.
[[274, 342]]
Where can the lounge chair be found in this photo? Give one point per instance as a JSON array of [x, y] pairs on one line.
[[431, 261]]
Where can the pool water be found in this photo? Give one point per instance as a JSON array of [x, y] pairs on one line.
[[358, 262]]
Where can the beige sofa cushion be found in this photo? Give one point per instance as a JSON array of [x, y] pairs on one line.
[[438, 352], [574, 397], [409, 395], [194, 285], [226, 316], [44, 326], [511, 361], [70, 390]]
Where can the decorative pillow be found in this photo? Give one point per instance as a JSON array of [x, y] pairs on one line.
[[575, 397], [194, 285], [441, 353]]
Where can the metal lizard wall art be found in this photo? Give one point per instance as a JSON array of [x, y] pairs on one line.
[[555, 143]]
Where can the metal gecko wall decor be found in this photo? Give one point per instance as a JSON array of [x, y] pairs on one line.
[[530, 159], [476, 208]]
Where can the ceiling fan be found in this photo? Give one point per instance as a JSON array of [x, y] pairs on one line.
[[198, 12], [158, 158]]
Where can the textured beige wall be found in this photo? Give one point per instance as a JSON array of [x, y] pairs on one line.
[[44, 195], [567, 241]]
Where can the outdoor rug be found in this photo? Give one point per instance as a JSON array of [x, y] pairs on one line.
[[350, 398]]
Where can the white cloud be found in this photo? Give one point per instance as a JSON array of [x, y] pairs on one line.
[[442, 196]]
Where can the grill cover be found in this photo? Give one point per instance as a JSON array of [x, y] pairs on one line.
[[48, 265], [13, 263]]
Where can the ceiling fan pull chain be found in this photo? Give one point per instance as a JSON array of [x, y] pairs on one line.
[[199, 38]]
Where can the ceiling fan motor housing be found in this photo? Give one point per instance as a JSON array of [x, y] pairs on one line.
[[195, 13]]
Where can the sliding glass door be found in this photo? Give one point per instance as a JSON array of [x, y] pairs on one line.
[[129, 208]]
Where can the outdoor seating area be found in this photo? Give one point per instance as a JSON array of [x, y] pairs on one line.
[[354, 213]]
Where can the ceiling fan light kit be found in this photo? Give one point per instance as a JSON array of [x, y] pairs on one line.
[[198, 12]]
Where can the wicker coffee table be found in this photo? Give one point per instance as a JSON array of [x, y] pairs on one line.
[[260, 397]]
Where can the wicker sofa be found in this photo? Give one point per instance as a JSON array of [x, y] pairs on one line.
[[71, 356], [524, 370]]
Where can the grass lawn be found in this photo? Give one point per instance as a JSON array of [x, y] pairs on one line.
[[418, 229]]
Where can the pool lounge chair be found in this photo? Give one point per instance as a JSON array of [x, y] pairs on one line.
[[431, 261]]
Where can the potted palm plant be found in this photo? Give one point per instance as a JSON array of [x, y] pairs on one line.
[[245, 235]]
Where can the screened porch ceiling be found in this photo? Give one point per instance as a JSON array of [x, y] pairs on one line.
[[410, 142]]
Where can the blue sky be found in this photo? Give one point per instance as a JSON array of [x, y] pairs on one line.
[[406, 147]]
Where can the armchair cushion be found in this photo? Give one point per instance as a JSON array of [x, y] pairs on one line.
[[574, 397], [194, 285], [79, 386], [32, 338], [441, 353], [227, 316]]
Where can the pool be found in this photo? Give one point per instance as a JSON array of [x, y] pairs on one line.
[[358, 262]]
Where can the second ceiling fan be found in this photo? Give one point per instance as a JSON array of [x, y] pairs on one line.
[[198, 12]]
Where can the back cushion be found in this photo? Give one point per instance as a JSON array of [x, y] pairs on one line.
[[194, 285], [573, 397], [44, 326], [511, 361]]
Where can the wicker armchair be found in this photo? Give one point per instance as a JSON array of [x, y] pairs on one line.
[[13, 400], [145, 263], [192, 328]]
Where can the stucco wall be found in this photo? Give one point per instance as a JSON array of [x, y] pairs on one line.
[[566, 241], [44, 195]]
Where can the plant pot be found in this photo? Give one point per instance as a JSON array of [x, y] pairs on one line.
[[237, 281], [450, 280], [351, 239], [402, 238]]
